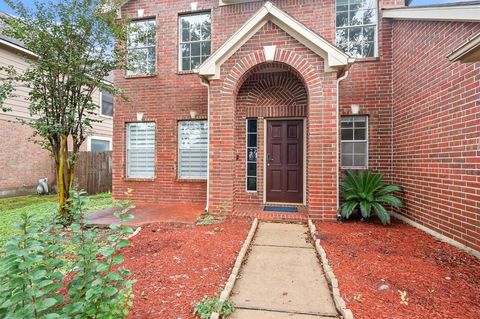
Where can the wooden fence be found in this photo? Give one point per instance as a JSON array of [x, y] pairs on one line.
[[93, 172]]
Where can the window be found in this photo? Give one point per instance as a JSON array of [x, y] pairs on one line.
[[251, 155], [141, 150], [99, 144], [195, 30], [357, 27], [354, 141], [192, 149], [141, 47], [106, 108]]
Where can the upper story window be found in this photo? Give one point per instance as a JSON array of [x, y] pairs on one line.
[[195, 34], [356, 31], [141, 47], [106, 108]]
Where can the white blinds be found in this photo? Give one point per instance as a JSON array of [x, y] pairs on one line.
[[192, 149], [141, 150]]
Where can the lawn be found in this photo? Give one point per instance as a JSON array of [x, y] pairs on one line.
[[398, 271], [12, 207]]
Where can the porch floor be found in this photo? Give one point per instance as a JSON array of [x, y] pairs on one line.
[[145, 214], [256, 211]]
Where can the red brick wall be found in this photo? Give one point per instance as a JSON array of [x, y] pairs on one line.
[[170, 95], [436, 128], [322, 128], [369, 85], [23, 163]]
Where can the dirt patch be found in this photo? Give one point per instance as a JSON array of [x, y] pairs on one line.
[[176, 266], [398, 271]]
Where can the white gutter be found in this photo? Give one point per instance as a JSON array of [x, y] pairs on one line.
[[205, 83], [470, 13], [340, 79]]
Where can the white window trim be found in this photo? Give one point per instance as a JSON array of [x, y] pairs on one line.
[[246, 157], [179, 54], [187, 178], [101, 105], [101, 138], [156, 48], [375, 41], [353, 141]]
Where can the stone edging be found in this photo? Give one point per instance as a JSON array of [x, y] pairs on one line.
[[332, 280], [236, 268]]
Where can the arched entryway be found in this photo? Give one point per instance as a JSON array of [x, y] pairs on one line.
[[271, 109]]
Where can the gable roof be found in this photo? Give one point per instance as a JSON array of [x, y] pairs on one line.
[[467, 52], [455, 11], [334, 58]]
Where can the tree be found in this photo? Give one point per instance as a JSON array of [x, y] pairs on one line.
[[74, 44]]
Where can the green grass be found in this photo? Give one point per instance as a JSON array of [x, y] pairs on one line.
[[42, 206]]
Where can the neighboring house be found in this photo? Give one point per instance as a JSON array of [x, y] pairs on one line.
[[23, 163], [238, 104]]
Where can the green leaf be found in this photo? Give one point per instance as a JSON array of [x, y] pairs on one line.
[[47, 303]]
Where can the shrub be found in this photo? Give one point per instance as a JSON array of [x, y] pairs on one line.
[[31, 271], [205, 307], [365, 191]]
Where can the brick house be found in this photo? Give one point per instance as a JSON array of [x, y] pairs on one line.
[[238, 104], [23, 163]]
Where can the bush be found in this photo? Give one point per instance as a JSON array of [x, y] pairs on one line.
[[366, 192], [205, 307], [31, 271]]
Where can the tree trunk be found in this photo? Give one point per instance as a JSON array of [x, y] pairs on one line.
[[65, 175], [63, 192]]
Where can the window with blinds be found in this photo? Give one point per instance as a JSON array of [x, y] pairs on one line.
[[192, 149], [141, 150]]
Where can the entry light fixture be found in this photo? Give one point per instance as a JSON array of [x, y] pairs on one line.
[[355, 108]]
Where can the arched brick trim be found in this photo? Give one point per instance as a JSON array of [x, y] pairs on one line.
[[277, 93], [255, 61]]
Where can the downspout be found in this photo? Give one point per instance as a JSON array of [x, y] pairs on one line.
[[206, 83], [340, 79]]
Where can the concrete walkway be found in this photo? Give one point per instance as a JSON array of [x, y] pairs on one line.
[[145, 214], [282, 277]]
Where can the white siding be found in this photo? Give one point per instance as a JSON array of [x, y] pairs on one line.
[[19, 102]]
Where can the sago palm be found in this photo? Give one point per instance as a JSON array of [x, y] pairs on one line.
[[368, 192]]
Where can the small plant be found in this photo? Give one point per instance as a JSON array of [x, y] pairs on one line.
[[214, 217], [99, 288], [205, 220], [205, 307], [366, 191], [32, 282]]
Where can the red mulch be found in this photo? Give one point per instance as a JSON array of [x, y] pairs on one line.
[[440, 280], [176, 266]]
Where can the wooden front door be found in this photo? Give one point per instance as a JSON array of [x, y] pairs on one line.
[[284, 161]]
